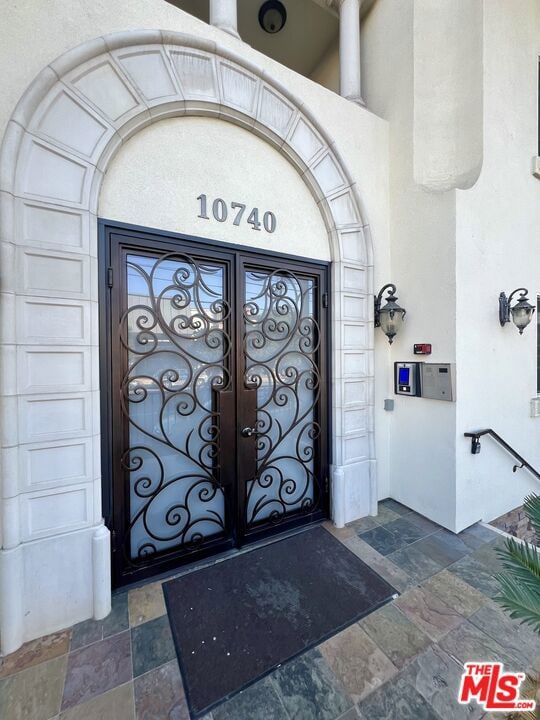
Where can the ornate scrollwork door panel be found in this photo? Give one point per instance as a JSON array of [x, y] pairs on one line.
[[171, 327], [283, 377], [217, 399]]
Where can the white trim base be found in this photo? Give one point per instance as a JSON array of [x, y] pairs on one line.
[[53, 583], [351, 492]]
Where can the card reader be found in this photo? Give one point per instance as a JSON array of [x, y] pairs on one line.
[[407, 379]]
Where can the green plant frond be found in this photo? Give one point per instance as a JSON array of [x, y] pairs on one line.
[[531, 506], [520, 601], [522, 560]]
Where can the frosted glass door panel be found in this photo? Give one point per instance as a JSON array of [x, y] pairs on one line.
[[174, 332], [281, 343]]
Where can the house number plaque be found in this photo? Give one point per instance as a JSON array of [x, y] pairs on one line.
[[234, 212]]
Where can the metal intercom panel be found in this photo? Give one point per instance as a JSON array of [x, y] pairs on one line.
[[407, 379], [437, 381]]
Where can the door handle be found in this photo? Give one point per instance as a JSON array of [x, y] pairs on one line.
[[248, 432]]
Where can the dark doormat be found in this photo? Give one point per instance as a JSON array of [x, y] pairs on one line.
[[238, 620]]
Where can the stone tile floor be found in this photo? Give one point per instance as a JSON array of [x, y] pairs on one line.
[[402, 661]]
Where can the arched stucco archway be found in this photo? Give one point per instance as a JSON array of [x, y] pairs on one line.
[[61, 138]]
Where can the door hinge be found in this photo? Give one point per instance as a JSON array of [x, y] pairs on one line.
[[326, 484], [325, 300], [114, 536], [109, 277]]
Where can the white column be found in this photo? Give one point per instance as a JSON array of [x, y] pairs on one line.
[[223, 14], [349, 51]]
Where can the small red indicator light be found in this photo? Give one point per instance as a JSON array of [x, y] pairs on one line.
[[422, 349]]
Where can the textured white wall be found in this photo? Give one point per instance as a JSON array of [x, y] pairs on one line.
[[422, 432], [448, 71], [178, 159], [498, 224], [327, 71], [360, 137], [453, 251]]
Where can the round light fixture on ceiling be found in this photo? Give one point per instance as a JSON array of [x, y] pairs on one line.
[[272, 16]]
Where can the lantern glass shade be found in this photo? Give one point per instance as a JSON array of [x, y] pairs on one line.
[[391, 320], [522, 313]]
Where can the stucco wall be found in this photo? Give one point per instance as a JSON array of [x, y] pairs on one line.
[[453, 251], [178, 159], [422, 230], [39, 566], [498, 224], [360, 136]]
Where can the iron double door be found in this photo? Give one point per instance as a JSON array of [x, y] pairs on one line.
[[215, 396]]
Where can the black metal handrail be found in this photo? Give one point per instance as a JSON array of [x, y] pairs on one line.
[[475, 449]]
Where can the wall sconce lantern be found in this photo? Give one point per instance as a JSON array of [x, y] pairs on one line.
[[390, 317], [272, 16], [521, 313]]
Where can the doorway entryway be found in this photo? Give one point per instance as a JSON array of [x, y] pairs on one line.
[[215, 396]]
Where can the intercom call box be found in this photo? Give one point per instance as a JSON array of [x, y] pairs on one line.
[[427, 380], [407, 379], [437, 381]]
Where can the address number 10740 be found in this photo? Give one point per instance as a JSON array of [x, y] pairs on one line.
[[235, 212]]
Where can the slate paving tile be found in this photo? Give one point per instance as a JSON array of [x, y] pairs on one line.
[[385, 515], [429, 612], [363, 524], [472, 570], [160, 694], [415, 563], [395, 506], [115, 704], [357, 662], [34, 693], [461, 596], [410, 532], [519, 640], [341, 533], [118, 619], [423, 523], [382, 565], [86, 633], [309, 689], [91, 631], [152, 645], [391, 573], [97, 668], [146, 603], [351, 714], [362, 549], [437, 678], [258, 702], [468, 643], [392, 536], [381, 540], [489, 558], [444, 547], [399, 638], [397, 700], [477, 535], [35, 652]]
